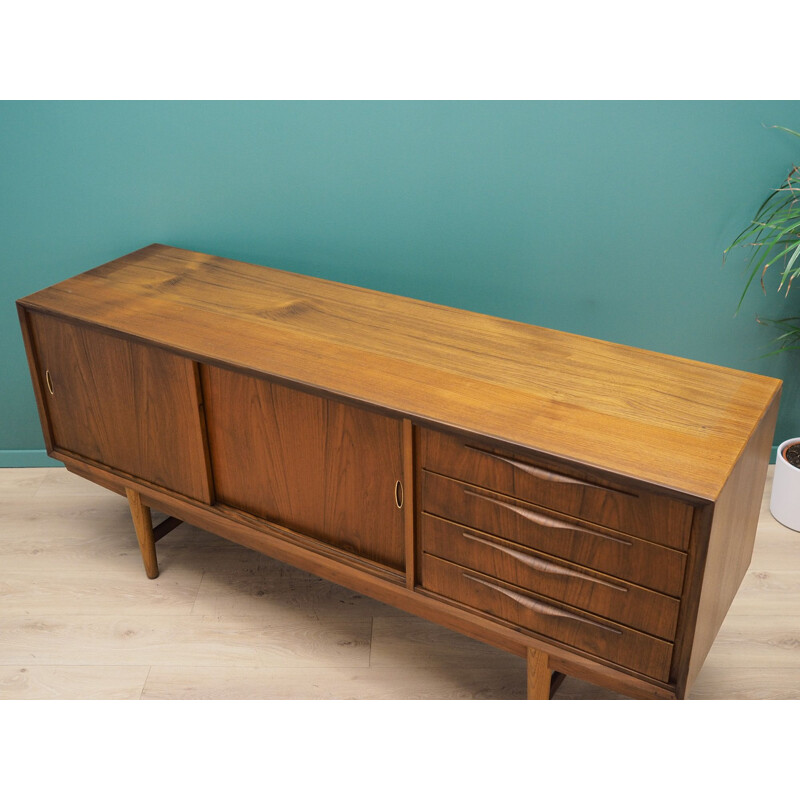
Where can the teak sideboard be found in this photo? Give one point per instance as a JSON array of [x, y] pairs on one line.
[[586, 505]]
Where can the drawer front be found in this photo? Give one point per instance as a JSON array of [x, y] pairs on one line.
[[599, 594], [648, 516], [613, 553], [590, 634]]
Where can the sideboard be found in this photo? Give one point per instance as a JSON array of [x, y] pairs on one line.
[[588, 506]]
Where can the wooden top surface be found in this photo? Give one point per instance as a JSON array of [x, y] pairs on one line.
[[677, 423]]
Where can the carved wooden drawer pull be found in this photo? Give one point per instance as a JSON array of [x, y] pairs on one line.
[[540, 564], [545, 521], [544, 474], [539, 607]]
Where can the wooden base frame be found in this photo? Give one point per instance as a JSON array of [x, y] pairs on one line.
[[542, 680], [282, 544]]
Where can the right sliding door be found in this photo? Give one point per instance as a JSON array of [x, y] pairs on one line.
[[320, 467]]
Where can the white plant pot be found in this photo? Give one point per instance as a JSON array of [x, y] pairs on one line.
[[785, 501]]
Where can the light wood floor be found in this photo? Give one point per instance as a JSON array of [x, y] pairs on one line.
[[79, 619]]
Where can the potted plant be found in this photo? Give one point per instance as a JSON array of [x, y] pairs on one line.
[[774, 237]]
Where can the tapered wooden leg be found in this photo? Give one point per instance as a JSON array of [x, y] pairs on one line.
[[143, 523], [539, 675]]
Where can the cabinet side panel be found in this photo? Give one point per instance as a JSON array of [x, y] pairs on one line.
[[731, 539]]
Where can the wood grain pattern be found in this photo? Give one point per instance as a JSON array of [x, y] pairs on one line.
[[539, 675], [332, 426], [576, 492], [322, 468], [605, 596], [428, 362], [131, 407], [579, 542], [727, 556], [623, 646]]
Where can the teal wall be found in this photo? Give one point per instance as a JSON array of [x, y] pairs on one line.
[[602, 218]]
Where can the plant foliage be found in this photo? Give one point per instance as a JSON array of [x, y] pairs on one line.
[[774, 236]]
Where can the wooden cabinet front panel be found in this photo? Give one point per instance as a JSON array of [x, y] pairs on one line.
[[319, 467], [599, 594], [610, 552], [654, 517], [132, 407], [616, 643]]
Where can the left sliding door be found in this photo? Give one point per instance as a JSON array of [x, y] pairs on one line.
[[129, 406]]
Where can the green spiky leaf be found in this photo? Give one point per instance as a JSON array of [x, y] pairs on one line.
[[773, 236]]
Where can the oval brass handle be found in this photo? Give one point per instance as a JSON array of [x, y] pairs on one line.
[[48, 381], [398, 494]]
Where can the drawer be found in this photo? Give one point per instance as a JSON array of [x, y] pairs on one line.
[[611, 552], [579, 629], [599, 594], [657, 518]]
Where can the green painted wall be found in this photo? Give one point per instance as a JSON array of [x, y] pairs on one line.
[[602, 218]]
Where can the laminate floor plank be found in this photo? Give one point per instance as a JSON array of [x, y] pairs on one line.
[[574, 689], [21, 482], [407, 642], [129, 640], [773, 593], [119, 592], [59, 482], [766, 642], [70, 533], [776, 550], [335, 683], [58, 513], [746, 683], [286, 590], [65, 534], [79, 619], [72, 683]]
